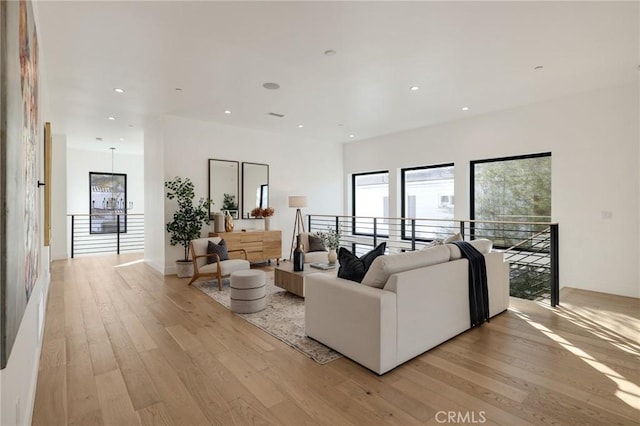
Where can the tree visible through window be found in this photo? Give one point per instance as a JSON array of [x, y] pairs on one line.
[[511, 189]]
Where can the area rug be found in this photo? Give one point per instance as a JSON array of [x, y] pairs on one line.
[[283, 317]]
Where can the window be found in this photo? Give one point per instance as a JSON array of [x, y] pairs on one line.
[[107, 200], [427, 193], [370, 199], [510, 189]]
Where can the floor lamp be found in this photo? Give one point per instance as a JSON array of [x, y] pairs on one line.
[[297, 202]]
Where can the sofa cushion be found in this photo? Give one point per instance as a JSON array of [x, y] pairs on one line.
[[384, 266], [353, 267], [220, 249], [316, 244], [483, 245]]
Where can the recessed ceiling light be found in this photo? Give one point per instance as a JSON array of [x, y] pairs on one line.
[[414, 88], [538, 68], [300, 126], [226, 111], [112, 118], [330, 52], [121, 139], [118, 90], [352, 136], [271, 86], [465, 108]]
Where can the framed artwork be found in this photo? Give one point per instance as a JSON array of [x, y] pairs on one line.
[[107, 200], [47, 187], [19, 156]]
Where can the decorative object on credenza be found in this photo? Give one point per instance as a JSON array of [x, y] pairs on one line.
[[297, 202], [188, 220], [298, 256], [228, 221], [331, 240], [266, 214], [218, 222]]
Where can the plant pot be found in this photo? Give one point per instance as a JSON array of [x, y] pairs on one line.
[[267, 223], [184, 269]]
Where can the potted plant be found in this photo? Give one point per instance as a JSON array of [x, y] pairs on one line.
[[331, 240], [265, 213], [188, 220]]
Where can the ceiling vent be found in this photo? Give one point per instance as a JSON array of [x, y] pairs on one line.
[[275, 114]]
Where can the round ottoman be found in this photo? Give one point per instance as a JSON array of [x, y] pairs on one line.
[[248, 293]]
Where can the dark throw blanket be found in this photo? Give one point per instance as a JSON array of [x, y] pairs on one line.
[[478, 290]]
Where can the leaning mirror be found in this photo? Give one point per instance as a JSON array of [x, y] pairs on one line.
[[223, 187], [255, 187]]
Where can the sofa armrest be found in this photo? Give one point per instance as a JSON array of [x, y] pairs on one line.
[[355, 320]]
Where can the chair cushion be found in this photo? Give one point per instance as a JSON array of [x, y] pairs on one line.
[[316, 257], [220, 249], [200, 247], [353, 267], [226, 266]]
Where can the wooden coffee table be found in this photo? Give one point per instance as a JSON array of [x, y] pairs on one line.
[[284, 276]]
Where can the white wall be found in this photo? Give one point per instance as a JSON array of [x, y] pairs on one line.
[[594, 140], [154, 232], [297, 166], [81, 162]]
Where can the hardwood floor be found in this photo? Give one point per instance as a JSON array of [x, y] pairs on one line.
[[124, 345]]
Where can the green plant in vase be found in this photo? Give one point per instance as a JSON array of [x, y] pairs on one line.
[[188, 219]]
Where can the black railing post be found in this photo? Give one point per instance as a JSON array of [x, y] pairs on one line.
[[118, 233], [337, 223], [375, 232], [413, 234], [555, 267], [309, 222], [73, 237], [462, 229]]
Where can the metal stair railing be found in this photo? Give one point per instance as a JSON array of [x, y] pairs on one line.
[[530, 247]]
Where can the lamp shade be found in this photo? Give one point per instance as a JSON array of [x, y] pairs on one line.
[[297, 201]]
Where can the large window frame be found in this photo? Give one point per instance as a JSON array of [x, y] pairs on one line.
[[403, 197], [354, 225], [472, 183], [112, 189]]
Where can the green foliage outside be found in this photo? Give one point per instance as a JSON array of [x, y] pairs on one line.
[[514, 190], [188, 218]]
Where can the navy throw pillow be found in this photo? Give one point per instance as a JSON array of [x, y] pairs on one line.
[[353, 267], [220, 249]]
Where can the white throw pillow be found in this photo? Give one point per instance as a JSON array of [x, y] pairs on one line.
[[483, 245], [383, 266], [454, 237]]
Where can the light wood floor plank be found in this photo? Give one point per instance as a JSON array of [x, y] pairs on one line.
[[126, 345]]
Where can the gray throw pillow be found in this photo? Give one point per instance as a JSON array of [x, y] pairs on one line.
[[220, 249], [316, 244]]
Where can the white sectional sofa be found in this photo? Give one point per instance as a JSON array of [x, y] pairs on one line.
[[424, 301]]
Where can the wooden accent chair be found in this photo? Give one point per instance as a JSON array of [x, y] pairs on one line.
[[219, 268]]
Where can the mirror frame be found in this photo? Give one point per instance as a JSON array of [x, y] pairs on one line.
[[213, 208], [246, 210]]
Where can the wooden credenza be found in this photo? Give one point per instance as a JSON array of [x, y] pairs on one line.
[[260, 245]]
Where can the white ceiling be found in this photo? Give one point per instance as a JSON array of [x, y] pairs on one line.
[[476, 54]]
